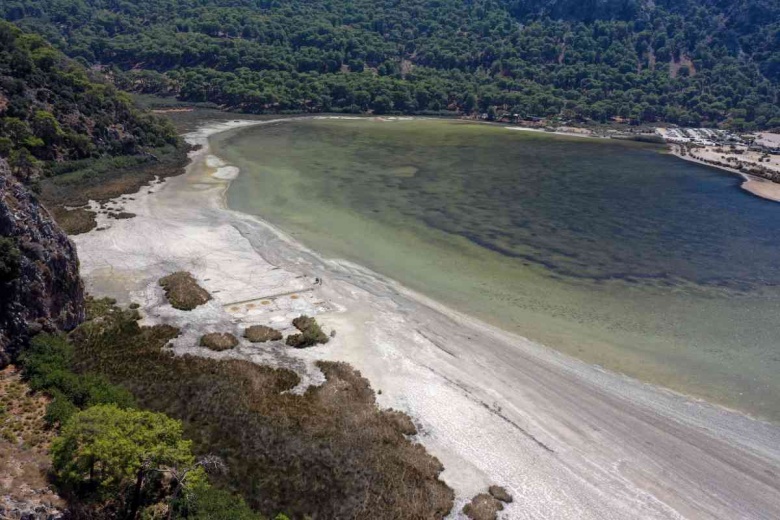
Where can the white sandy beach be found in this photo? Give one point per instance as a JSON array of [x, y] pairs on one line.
[[568, 440]]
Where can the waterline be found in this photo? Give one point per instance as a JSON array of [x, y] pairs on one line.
[[398, 197]]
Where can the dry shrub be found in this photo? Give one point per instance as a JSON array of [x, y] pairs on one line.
[[500, 493], [483, 507], [121, 215], [261, 334], [183, 292], [403, 422], [329, 453], [218, 341]]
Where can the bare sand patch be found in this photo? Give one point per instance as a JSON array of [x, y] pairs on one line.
[[762, 187]]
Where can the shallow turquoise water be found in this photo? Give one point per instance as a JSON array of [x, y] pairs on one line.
[[612, 251]]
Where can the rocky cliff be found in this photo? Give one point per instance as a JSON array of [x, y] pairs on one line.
[[40, 287]]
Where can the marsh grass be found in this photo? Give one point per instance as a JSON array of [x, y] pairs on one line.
[[329, 453], [75, 183], [483, 507], [74, 221]]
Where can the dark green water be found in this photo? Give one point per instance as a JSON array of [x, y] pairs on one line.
[[612, 251]]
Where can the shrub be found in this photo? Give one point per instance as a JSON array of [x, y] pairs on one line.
[[60, 409], [48, 367], [209, 503], [311, 333], [183, 292], [261, 334], [218, 341]]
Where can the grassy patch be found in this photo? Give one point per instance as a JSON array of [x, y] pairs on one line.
[[22, 413], [261, 334], [218, 341], [24, 443], [183, 291], [75, 183], [74, 221], [329, 453], [310, 335]]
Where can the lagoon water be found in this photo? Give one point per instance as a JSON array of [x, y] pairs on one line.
[[612, 251]]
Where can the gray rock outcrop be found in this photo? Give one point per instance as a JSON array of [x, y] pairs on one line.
[[40, 287]]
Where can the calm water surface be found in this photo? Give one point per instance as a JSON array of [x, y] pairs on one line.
[[611, 251]]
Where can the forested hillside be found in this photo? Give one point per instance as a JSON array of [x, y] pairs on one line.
[[52, 111], [682, 61], [70, 134]]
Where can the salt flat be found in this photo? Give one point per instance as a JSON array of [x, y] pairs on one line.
[[567, 439]]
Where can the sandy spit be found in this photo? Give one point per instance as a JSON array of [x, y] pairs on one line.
[[568, 440], [758, 186]]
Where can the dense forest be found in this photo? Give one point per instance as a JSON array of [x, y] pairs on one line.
[[691, 62]]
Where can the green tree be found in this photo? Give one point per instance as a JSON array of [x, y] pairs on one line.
[[118, 453], [469, 102]]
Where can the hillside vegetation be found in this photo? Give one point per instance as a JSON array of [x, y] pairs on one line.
[[70, 134], [689, 62], [52, 111]]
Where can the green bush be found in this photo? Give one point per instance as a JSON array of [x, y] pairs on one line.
[[60, 409], [10, 260], [209, 503], [48, 367], [107, 452], [311, 333]]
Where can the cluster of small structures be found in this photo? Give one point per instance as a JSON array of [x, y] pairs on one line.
[[699, 136], [756, 155], [763, 142]]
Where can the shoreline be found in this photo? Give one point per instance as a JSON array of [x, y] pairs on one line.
[[753, 184], [568, 439]]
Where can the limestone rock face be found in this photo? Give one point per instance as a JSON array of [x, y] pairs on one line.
[[40, 287]]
